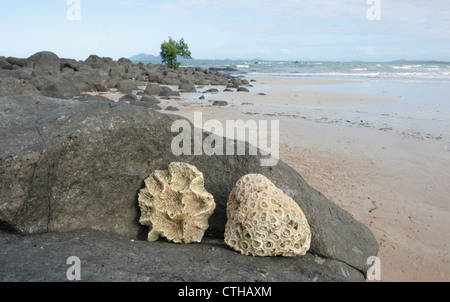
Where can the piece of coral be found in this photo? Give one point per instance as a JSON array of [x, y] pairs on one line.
[[264, 221], [174, 204]]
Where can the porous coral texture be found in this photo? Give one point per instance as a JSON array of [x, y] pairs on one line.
[[175, 204], [264, 221]]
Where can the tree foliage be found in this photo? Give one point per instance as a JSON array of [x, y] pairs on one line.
[[171, 50]]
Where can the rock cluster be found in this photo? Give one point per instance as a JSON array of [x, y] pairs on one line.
[[46, 74], [263, 221], [175, 205]]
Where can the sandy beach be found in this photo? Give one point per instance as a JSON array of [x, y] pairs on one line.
[[394, 182]]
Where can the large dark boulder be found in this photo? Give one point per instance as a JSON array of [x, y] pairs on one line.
[[153, 89], [91, 79], [128, 85], [187, 86], [70, 165], [166, 91], [45, 61], [14, 86], [97, 62], [51, 86]]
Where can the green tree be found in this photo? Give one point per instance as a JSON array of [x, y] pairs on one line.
[[171, 50]]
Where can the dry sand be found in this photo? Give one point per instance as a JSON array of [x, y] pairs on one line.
[[397, 185]]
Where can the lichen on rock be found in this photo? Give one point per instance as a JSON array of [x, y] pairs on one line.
[[175, 204], [264, 221]]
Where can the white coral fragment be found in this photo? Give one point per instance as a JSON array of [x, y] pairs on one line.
[[175, 204], [264, 221]]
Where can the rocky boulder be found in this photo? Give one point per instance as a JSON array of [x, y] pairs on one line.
[[13, 86], [128, 85], [166, 91], [153, 89], [67, 165], [55, 86], [90, 79], [44, 61]]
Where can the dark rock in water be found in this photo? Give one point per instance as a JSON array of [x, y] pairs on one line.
[[228, 90], [13, 86], [262, 93], [153, 89], [166, 91], [202, 97], [171, 108], [228, 69], [170, 80], [236, 82], [187, 87], [44, 61], [243, 89], [49, 86], [150, 99], [212, 90], [220, 103], [128, 85], [107, 257]]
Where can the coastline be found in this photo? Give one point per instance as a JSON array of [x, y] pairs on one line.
[[393, 183]]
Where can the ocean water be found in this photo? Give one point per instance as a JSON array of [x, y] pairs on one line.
[[420, 70]]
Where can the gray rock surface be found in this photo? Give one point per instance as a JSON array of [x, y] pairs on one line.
[[13, 86], [44, 61], [220, 103], [51, 85], [108, 257], [70, 165], [127, 85]]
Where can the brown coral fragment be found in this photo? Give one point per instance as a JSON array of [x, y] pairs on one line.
[[263, 221], [174, 204]]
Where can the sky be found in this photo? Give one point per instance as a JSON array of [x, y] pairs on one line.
[[300, 30]]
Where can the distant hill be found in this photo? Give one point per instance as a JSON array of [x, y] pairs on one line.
[[145, 58]]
